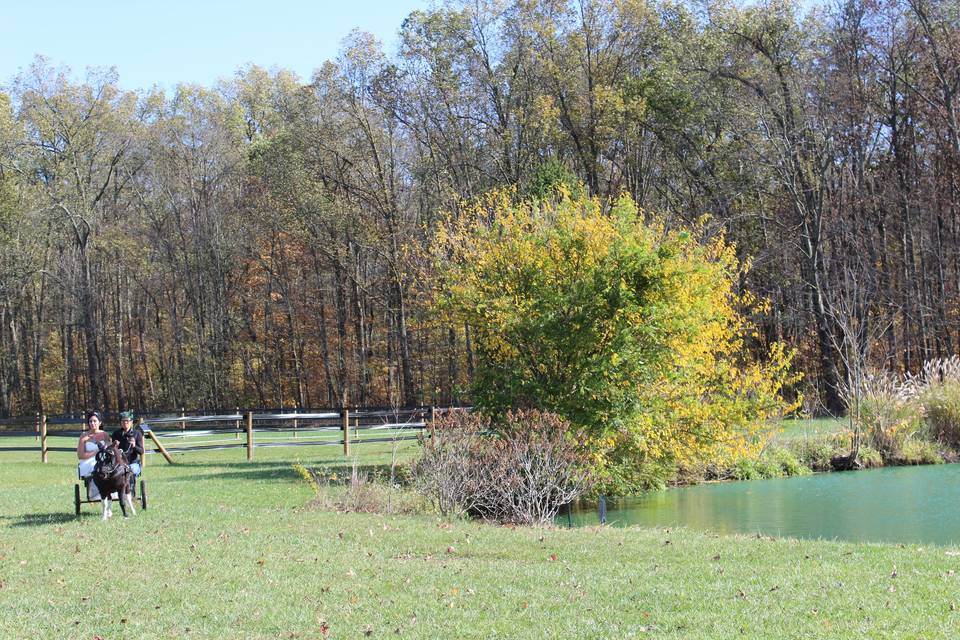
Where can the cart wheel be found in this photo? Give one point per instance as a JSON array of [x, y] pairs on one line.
[[76, 499], [143, 494]]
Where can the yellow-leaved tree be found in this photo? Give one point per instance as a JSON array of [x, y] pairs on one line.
[[630, 330]]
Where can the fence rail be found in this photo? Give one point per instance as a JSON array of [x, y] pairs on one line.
[[250, 429]]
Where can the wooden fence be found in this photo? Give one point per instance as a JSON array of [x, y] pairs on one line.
[[250, 430]]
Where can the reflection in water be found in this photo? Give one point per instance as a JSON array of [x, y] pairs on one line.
[[902, 504]]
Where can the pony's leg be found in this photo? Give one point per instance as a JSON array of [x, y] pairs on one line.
[[123, 503], [129, 499], [106, 508]]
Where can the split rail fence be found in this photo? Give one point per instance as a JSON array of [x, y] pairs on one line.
[[250, 430]]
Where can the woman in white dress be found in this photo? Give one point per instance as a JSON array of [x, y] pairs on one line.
[[87, 447]]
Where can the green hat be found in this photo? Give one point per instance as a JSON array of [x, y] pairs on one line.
[[126, 415]]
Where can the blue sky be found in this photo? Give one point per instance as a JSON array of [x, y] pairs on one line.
[[166, 42]]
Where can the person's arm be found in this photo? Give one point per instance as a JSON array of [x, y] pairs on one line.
[[138, 442], [82, 453]]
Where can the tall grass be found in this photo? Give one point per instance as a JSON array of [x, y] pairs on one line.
[[940, 397], [889, 414]]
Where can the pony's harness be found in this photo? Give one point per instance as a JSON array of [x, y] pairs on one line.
[[107, 465]]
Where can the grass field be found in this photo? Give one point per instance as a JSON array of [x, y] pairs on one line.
[[229, 549], [810, 427]]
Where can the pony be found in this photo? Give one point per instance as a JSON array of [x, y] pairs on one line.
[[112, 475]]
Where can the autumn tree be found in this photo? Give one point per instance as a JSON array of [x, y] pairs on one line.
[[627, 329]]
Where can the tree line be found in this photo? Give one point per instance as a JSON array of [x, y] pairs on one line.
[[268, 241]]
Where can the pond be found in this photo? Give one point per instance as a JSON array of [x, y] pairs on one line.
[[898, 504]]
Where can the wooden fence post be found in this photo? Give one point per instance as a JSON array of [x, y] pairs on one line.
[[295, 411], [431, 429], [159, 445], [183, 425], [237, 424], [143, 458], [36, 427], [43, 438], [249, 435], [345, 413]]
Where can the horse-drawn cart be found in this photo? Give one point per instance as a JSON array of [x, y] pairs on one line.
[[81, 493]]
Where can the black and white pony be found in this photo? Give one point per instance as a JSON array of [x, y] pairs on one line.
[[113, 475]]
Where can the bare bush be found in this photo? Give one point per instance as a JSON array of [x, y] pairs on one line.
[[447, 472], [522, 472], [532, 468]]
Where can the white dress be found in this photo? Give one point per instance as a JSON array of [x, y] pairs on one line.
[[86, 466]]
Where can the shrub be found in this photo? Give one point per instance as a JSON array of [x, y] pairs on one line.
[[916, 451], [815, 452], [787, 462], [521, 471], [870, 458], [773, 463], [754, 469], [533, 466], [447, 471], [630, 328]]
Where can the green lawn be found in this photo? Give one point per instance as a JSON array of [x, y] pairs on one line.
[[810, 427], [228, 549]]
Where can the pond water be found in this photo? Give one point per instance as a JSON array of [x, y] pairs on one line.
[[899, 504]]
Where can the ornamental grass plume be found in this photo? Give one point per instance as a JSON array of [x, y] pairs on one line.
[[939, 396]]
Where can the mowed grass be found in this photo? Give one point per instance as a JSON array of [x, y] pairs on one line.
[[229, 549]]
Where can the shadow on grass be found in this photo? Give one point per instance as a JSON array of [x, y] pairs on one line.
[[43, 519], [326, 474], [247, 473], [282, 470]]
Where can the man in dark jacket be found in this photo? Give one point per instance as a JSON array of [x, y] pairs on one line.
[[130, 441]]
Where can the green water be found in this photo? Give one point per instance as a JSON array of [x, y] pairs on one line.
[[900, 504]]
